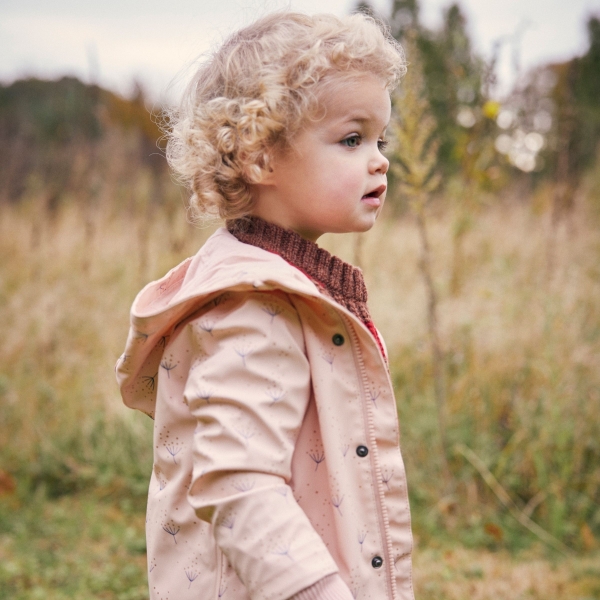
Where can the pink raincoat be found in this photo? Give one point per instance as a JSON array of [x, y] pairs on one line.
[[276, 458]]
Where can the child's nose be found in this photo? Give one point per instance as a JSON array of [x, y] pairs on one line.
[[379, 163]]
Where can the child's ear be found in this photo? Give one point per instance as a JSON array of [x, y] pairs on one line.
[[268, 173]]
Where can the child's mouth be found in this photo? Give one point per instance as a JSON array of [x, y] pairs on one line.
[[373, 198]]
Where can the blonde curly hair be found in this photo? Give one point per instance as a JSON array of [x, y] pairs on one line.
[[255, 93]]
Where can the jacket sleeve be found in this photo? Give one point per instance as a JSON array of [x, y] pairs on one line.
[[249, 387]]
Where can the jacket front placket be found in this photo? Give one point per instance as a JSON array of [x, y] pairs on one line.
[[356, 406], [382, 415]]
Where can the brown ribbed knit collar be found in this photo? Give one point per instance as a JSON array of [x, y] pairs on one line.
[[342, 281]]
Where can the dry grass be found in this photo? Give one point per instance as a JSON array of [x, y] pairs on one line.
[[461, 574], [64, 294]]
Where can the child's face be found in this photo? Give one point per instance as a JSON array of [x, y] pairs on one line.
[[334, 177]]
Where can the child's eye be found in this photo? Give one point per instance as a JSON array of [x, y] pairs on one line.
[[382, 145], [352, 141]]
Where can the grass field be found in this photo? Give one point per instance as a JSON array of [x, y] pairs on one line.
[[521, 341], [86, 548]]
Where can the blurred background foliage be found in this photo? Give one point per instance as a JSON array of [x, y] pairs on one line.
[[489, 298]]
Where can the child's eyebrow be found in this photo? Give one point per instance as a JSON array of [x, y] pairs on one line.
[[362, 121], [356, 119]]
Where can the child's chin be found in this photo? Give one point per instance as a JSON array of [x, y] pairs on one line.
[[369, 222], [364, 227]]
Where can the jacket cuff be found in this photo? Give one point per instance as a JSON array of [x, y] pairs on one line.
[[331, 587]]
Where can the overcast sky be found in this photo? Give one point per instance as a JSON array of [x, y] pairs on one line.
[[115, 41]]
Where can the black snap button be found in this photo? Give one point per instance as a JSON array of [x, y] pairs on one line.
[[362, 451], [377, 562], [338, 339]]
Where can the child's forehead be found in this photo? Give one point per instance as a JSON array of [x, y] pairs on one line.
[[342, 84], [362, 99]]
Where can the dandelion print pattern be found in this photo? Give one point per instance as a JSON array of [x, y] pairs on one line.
[[162, 482], [123, 359], [220, 299], [168, 366], [228, 522], [362, 536], [372, 395], [207, 325], [171, 529], [282, 491], [140, 336], [205, 395], [246, 433], [276, 394], [150, 381], [283, 550], [317, 457], [174, 450], [191, 576], [385, 478], [337, 502], [242, 350], [328, 357], [272, 310], [243, 485]]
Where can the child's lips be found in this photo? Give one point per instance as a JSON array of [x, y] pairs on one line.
[[373, 198]]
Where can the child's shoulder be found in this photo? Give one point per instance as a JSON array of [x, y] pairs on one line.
[[255, 280], [222, 264]]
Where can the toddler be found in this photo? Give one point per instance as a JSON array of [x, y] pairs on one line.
[[277, 472]]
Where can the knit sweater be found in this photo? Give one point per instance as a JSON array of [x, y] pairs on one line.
[[340, 280]]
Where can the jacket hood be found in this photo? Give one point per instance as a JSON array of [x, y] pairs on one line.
[[223, 263]]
